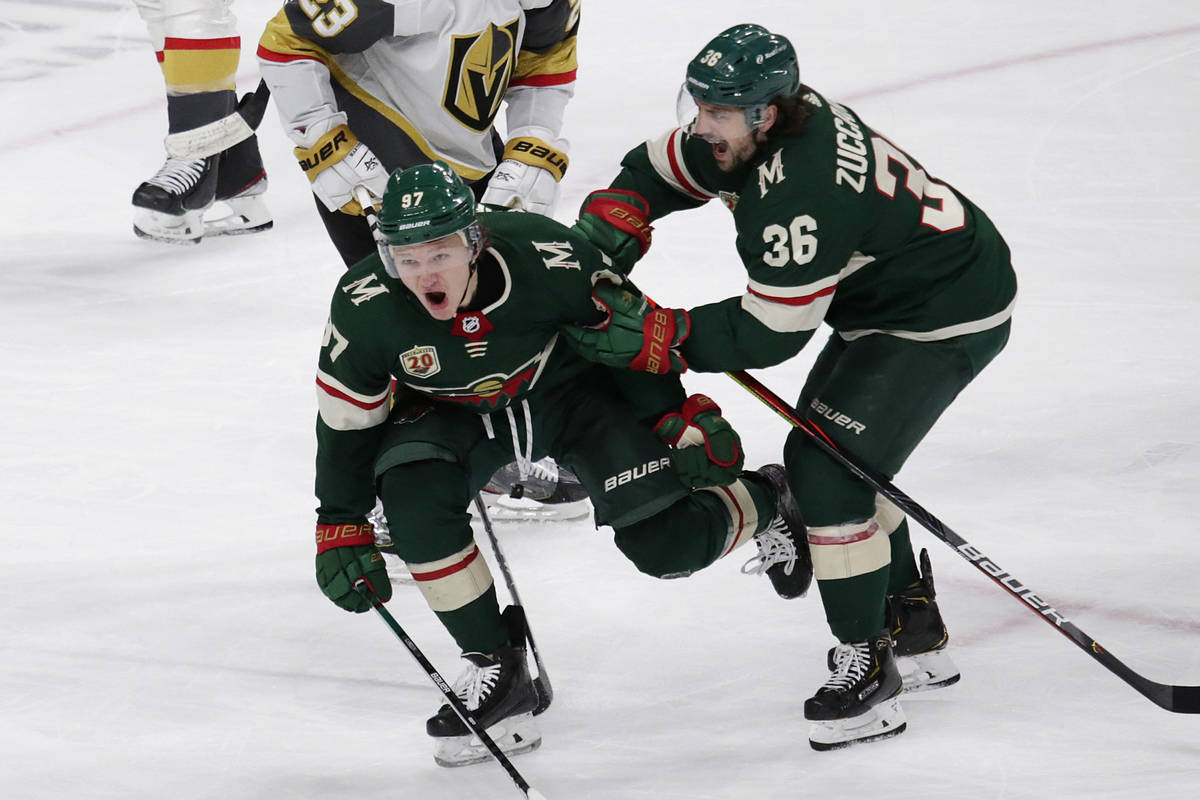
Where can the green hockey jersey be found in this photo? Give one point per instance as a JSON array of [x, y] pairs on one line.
[[535, 277], [837, 225]]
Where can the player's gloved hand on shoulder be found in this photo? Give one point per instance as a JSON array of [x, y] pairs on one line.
[[618, 223], [633, 333], [346, 553], [705, 449], [528, 174], [335, 161]]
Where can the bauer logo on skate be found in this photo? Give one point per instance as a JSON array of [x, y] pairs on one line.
[[630, 475], [1012, 584]]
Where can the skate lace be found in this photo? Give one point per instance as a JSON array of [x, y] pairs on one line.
[[178, 176], [775, 546], [545, 469], [475, 684], [850, 662]]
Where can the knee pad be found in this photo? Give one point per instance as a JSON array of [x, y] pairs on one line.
[[426, 507], [827, 492]]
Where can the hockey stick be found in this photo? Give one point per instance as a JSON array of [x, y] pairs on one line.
[[541, 683], [363, 588], [1179, 699], [215, 137], [363, 195]]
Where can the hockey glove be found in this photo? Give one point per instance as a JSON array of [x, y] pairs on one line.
[[699, 422], [346, 553], [633, 334], [335, 161], [527, 177], [618, 223]]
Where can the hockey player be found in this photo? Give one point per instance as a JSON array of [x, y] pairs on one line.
[[198, 47], [835, 224], [367, 88], [465, 309]]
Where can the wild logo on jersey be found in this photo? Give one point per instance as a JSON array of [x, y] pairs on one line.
[[481, 65], [489, 392]]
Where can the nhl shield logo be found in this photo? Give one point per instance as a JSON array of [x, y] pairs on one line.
[[421, 361], [470, 324]]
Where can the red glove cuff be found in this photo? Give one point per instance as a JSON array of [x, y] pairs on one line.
[[660, 333], [623, 216], [346, 535], [698, 404]]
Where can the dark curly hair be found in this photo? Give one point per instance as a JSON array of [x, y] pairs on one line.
[[793, 111]]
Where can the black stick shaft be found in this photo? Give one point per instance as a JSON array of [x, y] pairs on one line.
[[542, 681], [1179, 699], [455, 703]]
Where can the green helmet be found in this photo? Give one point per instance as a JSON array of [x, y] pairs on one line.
[[745, 66], [424, 203]]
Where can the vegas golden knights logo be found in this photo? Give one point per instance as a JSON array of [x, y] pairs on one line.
[[481, 65]]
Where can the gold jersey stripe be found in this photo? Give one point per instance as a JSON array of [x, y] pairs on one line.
[[192, 71], [559, 60]]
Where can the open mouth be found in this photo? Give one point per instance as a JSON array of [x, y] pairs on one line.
[[720, 149], [435, 298]]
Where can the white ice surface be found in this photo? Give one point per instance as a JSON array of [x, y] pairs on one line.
[[161, 635]]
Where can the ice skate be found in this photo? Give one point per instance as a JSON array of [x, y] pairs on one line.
[[783, 545], [499, 692], [548, 492], [246, 212], [170, 206], [859, 703], [920, 636]]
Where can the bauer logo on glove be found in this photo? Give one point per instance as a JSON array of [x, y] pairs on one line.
[[528, 175], [633, 334]]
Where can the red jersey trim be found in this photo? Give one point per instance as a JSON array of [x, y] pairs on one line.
[[557, 79], [332, 392], [283, 58], [794, 301], [225, 43], [677, 170]]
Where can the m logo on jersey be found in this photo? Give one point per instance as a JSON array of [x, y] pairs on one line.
[[770, 173], [364, 289], [481, 65], [421, 361], [559, 252]]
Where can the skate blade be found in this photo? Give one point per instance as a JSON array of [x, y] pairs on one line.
[[186, 228], [880, 722], [926, 671], [514, 735], [502, 508], [244, 216]]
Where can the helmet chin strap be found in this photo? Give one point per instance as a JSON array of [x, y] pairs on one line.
[[473, 278]]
